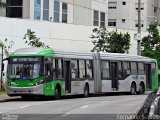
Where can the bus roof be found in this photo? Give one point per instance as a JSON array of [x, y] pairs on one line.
[[83, 55], [33, 52]]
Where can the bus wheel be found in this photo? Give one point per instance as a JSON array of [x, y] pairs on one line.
[[133, 89], [57, 93], [141, 89], [86, 91]]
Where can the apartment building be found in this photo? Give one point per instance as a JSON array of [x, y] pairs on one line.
[[123, 14], [79, 12], [62, 24]]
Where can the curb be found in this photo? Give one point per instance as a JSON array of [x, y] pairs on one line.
[[143, 113]]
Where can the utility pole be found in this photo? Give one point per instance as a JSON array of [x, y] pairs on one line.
[[1, 68], [139, 29]]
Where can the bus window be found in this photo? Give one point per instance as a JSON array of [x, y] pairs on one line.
[[48, 66], [133, 67], [153, 68], [89, 69], [105, 69], [82, 69], [120, 70], [74, 69], [60, 68], [126, 68], [141, 68]]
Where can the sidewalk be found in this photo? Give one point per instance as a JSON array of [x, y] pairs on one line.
[[4, 97]]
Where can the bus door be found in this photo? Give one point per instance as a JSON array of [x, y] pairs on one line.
[[148, 75], [67, 76], [114, 75]]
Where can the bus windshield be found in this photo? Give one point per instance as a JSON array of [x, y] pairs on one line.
[[23, 71]]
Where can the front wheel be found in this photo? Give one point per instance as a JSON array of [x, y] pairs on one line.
[[86, 91], [57, 93]]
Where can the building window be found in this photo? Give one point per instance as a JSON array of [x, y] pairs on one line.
[[123, 3], [123, 20], [102, 20], [14, 8], [142, 6], [37, 9], [112, 22], [112, 5], [64, 12], [96, 18], [56, 10], [136, 23], [45, 9]]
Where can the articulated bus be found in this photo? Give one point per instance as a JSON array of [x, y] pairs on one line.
[[47, 72]]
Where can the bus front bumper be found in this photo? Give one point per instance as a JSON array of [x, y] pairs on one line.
[[35, 90]]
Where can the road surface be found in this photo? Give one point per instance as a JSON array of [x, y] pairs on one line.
[[92, 108]]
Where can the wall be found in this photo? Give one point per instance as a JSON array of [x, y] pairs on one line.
[[57, 35]]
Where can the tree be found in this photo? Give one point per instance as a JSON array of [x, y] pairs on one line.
[[151, 43], [32, 40], [2, 4], [113, 42]]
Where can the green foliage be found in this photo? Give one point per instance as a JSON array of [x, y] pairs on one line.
[[151, 43], [32, 40], [2, 4], [113, 42], [1, 44]]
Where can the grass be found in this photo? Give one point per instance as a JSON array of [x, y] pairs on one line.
[[3, 92]]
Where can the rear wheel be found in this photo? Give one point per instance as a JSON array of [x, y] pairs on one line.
[[86, 91], [57, 93], [141, 89], [133, 89]]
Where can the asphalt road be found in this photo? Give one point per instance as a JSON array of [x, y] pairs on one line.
[[92, 108]]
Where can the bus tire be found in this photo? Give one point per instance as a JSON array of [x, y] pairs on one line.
[[86, 91], [141, 88], [133, 89], [57, 93]]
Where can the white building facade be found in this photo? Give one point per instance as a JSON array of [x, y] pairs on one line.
[[68, 24], [123, 14]]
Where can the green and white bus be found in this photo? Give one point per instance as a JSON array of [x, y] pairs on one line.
[[44, 71]]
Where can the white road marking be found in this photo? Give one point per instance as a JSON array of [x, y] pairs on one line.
[[66, 114], [24, 106], [103, 101], [84, 106]]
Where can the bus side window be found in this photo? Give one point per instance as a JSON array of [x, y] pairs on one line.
[[105, 70], [60, 68], [120, 70], [141, 68], [133, 68], [153, 68], [74, 69], [89, 69], [48, 67], [126, 68], [82, 69]]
